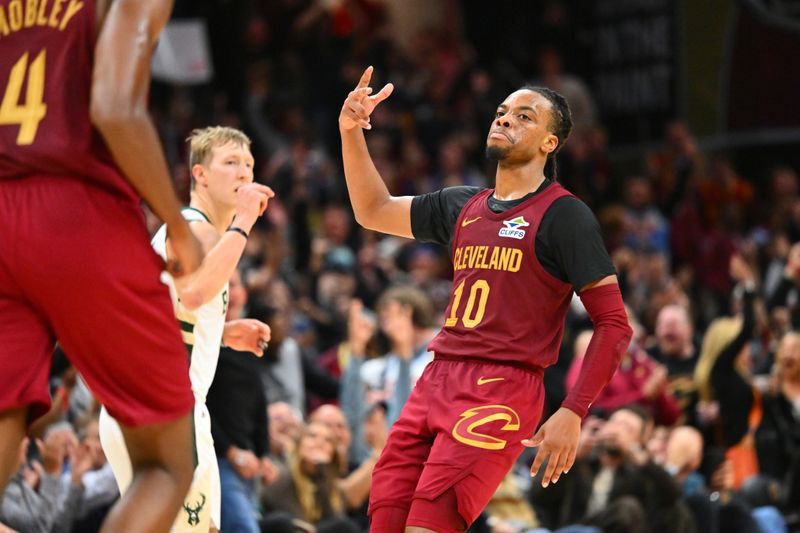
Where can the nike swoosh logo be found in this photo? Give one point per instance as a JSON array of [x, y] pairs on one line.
[[484, 381], [466, 222]]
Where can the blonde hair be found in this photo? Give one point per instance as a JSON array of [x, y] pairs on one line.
[[307, 487], [719, 334], [202, 142]]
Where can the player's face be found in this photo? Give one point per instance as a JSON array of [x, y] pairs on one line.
[[519, 131], [231, 167]]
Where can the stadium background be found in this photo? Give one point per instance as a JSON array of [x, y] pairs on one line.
[[685, 146]]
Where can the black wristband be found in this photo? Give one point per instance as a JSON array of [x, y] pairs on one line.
[[238, 230]]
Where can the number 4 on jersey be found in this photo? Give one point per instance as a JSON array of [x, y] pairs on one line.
[[29, 114]]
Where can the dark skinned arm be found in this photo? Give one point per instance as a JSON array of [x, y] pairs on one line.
[[120, 86]]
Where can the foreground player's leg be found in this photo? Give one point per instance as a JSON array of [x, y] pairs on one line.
[[163, 464], [12, 430]]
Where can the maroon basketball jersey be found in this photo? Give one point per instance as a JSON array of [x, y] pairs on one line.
[[45, 81], [504, 305]]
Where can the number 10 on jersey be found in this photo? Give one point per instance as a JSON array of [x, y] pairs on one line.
[[478, 291]]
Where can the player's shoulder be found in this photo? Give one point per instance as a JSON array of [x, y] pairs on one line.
[[572, 208], [453, 199], [460, 193]]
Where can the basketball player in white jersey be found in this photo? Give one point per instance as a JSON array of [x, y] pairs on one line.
[[224, 206]]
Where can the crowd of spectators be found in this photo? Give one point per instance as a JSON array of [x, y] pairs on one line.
[[699, 429]]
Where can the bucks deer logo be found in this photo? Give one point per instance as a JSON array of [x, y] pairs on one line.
[[194, 512]]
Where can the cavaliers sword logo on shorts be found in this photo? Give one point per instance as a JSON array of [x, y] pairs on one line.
[[467, 429]]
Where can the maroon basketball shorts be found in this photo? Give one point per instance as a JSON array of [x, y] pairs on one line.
[[457, 437], [76, 265]]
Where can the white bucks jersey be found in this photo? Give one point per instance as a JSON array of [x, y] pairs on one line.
[[201, 328]]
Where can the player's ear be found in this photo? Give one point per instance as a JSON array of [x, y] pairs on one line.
[[550, 143], [199, 175]]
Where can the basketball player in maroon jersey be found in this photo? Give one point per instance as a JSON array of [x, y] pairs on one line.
[[77, 149], [518, 251]]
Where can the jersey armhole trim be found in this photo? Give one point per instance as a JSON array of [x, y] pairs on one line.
[[200, 213]]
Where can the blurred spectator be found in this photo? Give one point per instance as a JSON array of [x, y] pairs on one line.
[[35, 500], [281, 370], [722, 510], [673, 167], [239, 426], [508, 510], [576, 92], [100, 488], [356, 478], [684, 454], [676, 350], [307, 489], [614, 485], [769, 421], [405, 318], [638, 379], [333, 417], [646, 228], [285, 424], [784, 296]]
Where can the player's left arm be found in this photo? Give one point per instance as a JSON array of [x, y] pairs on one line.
[[578, 250]]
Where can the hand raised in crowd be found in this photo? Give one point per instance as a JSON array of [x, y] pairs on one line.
[[740, 270], [55, 449], [246, 335], [792, 269], [557, 440], [269, 471], [360, 103], [31, 473], [723, 477], [376, 431], [80, 462], [360, 327]]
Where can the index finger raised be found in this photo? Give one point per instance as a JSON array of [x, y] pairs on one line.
[[364, 81]]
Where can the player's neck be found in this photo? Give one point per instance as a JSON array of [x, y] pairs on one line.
[[515, 181], [219, 216]]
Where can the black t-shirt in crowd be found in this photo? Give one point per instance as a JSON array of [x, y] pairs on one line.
[[569, 244]]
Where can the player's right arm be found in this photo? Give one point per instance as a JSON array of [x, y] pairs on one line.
[[373, 206], [120, 85], [222, 253]]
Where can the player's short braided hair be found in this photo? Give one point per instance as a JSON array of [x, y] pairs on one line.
[[560, 124], [203, 140]]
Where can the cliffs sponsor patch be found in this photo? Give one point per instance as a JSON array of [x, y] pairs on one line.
[[513, 228]]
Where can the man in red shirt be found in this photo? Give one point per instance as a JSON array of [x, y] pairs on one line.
[[518, 252], [78, 152]]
